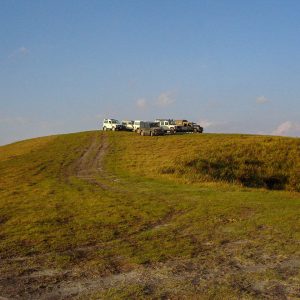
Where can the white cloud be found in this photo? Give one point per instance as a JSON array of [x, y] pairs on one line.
[[141, 103], [165, 99], [206, 123], [23, 50], [20, 52], [262, 100], [287, 128]]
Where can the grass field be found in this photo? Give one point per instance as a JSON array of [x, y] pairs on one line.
[[118, 216]]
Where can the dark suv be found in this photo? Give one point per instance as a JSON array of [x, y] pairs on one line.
[[151, 128]]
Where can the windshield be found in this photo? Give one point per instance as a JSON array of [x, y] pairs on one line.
[[154, 124], [115, 122], [172, 122]]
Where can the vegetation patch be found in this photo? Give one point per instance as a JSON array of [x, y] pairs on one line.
[[248, 172], [252, 161], [92, 214]]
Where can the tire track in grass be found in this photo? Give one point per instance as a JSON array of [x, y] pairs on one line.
[[89, 167], [173, 276]]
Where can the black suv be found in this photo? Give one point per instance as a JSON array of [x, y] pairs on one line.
[[151, 128]]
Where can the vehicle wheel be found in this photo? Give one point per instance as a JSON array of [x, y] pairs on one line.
[[113, 129], [172, 131], [104, 128]]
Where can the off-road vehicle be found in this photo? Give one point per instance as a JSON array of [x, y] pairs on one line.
[[150, 128], [168, 125], [112, 124], [197, 127], [128, 124], [187, 126]]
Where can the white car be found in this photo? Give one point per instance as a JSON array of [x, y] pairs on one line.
[[167, 125], [137, 125], [112, 124], [128, 124]]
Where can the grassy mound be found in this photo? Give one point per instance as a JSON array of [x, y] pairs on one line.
[[251, 161], [116, 216]]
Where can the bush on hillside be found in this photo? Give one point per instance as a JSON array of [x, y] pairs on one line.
[[267, 165]]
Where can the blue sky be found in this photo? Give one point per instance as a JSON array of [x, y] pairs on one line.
[[233, 66]]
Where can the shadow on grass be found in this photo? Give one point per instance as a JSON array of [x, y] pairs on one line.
[[249, 172]]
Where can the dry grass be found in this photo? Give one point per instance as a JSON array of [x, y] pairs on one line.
[[136, 232], [252, 161]]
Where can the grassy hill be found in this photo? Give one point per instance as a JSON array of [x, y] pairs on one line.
[[118, 216]]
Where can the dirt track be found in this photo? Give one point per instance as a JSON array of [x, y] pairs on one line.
[[172, 276], [37, 283], [90, 165], [34, 283]]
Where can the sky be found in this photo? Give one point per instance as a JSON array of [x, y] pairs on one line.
[[231, 65]]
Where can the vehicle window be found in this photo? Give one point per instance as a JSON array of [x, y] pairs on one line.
[[109, 122], [166, 123]]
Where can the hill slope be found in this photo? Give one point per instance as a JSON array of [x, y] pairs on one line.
[[115, 215]]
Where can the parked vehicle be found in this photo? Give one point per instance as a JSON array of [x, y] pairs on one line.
[[128, 124], [197, 128], [151, 128], [168, 125], [112, 124], [136, 126], [187, 126]]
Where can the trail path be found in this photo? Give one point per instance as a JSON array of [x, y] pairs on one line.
[[89, 166], [172, 276]]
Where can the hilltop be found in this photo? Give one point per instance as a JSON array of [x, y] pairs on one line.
[[114, 215]]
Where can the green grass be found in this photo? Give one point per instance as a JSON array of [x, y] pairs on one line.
[[252, 161], [185, 219]]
